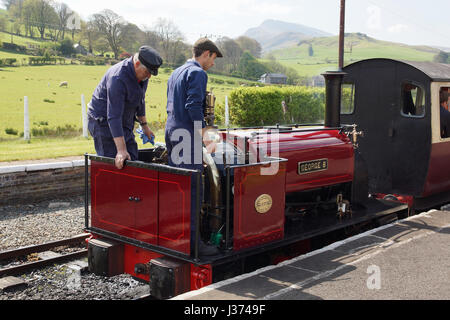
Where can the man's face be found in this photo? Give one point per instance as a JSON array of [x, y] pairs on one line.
[[142, 72], [209, 60]]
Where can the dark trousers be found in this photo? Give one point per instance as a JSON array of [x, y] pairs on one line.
[[104, 142], [195, 189]]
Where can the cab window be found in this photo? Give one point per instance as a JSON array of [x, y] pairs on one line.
[[348, 98], [444, 111], [413, 100]]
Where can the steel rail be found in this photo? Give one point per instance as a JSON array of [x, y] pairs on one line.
[[15, 270], [14, 253]]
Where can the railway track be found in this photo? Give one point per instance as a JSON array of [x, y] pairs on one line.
[[35, 249]]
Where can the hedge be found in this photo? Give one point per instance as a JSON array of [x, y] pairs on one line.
[[7, 62], [14, 47], [264, 106], [45, 60]]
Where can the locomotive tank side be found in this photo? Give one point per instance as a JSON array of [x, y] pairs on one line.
[[317, 157]]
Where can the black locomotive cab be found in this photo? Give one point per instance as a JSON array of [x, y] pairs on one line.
[[397, 106]]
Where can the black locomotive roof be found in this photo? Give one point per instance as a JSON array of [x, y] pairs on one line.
[[435, 71]]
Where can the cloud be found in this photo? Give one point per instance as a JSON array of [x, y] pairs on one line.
[[374, 18], [398, 28]]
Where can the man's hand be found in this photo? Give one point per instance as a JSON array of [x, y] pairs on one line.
[[122, 153], [210, 146], [120, 159], [209, 143], [149, 133]]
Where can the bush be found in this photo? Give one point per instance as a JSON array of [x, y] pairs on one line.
[[14, 47], [67, 130], [263, 106], [11, 131], [47, 59], [218, 81], [7, 62], [65, 47], [92, 61]]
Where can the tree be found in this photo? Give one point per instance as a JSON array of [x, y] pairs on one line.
[[232, 53], [310, 50], [151, 38], [275, 67], [64, 13], [66, 47], [15, 8], [250, 45], [169, 38], [90, 34], [43, 15], [27, 17], [2, 23], [131, 36], [250, 68], [441, 57], [73, 23], [8, 3], [110, 25]]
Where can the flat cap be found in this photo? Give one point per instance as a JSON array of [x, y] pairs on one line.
[[206, 44], [150, 58]]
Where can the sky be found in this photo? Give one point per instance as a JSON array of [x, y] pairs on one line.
[[414, 22]]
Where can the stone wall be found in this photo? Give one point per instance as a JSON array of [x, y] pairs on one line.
[[38, 182]]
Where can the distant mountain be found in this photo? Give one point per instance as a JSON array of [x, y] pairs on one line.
[[275, 34], [313, 56]]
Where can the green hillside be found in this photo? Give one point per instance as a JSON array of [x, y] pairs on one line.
[[21, 41], [357, 47]]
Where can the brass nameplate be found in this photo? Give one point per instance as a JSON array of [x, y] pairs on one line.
[[263, 204], [312, 166]]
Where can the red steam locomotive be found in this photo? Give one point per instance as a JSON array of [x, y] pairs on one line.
[[267, 190]]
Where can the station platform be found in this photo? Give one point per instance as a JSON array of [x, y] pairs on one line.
[[405, 260]]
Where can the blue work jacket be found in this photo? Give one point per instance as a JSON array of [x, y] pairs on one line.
[[186, 92], [118, 98]]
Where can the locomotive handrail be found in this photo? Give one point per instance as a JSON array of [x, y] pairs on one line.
[[144, 165], [269, 131], [265, 127], [269, 161]]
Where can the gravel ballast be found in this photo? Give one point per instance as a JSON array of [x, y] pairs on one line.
[[24, 225]]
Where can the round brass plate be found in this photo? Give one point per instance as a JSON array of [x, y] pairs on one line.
[[263, 203]]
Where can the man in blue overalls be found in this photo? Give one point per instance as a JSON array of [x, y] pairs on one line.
[[185, 127], [117, 101]]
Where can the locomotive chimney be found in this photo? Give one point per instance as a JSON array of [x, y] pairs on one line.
[[333, 83], [333, 80]]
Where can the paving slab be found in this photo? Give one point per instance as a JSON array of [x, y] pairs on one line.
[[360, 245], [417, 271], [409, 259], [397, 233], [323, 262]]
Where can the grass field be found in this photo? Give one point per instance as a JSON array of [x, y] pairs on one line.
[[51, 106]]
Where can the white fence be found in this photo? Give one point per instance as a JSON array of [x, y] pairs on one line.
[[26, 116]]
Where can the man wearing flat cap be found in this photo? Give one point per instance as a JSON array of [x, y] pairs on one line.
[[117, 101], [185, 126]]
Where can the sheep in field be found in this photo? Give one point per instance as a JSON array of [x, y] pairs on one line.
[[64, 84]]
